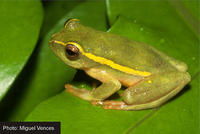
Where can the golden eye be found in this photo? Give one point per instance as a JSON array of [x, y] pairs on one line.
[[66, 22], [72, 52], [69, 21]]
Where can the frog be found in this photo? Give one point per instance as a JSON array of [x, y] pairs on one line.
[[150, 77]]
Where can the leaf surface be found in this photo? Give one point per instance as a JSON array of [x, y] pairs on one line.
[[20, 25]]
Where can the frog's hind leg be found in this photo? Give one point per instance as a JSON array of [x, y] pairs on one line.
[[150, 93]]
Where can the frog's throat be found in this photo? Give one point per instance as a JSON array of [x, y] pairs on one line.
[[105, 61]]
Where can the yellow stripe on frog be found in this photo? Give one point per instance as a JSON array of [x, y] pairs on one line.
[[105, 61]]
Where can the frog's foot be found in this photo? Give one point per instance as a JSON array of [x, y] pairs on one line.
[[81, 93], [111, 104]]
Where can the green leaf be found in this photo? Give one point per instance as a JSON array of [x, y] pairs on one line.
[[20, 25], [78, 116], [159, 15], [54, 11], [188, 10], [45, 74], [193, 7]]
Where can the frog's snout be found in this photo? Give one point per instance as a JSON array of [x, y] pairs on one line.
[[53, 38], [52, 43]]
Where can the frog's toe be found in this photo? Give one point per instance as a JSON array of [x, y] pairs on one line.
[[112, 107], [110, 104], [96, 102], [117, 105], [81, 93], [113, 102], [72, 89]]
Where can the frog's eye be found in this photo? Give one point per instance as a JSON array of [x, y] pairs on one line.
[[71, 24], [67, 22], [72, 52]]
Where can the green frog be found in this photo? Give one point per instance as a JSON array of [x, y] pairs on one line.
[[150, 76]]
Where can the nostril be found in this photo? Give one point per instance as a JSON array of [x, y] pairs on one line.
[[52, 42]]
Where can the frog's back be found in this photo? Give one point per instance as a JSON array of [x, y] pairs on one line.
[[138, 56]]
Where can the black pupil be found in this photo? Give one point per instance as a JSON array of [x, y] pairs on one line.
[[70, 52]]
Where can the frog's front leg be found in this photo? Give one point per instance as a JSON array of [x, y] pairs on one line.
[[108, 87], [151, 92]]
